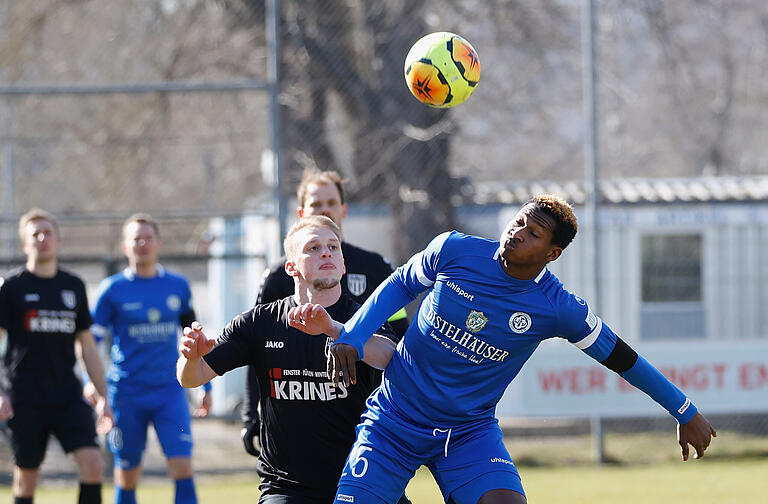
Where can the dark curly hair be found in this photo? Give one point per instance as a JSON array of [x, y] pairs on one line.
[[561, 211]]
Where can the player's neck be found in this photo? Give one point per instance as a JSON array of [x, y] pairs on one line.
[[324, 297], [521, 272], [145, 270], [43, 269]]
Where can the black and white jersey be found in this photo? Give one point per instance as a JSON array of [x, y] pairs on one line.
[[42, 317], [308, 424]]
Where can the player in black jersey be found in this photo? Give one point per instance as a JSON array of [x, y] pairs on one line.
[[308, 424], [44, 311], [319, 193]]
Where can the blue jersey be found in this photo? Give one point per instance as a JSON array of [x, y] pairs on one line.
[[143, 317], [475, 329]]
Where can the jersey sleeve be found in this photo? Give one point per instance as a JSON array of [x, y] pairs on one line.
[[591, 335], [83, 320], [186, 298], [4, 303], [234, 347], [402, 287], [103, 311]]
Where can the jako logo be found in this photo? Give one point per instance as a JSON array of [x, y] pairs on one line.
[[274, 344]]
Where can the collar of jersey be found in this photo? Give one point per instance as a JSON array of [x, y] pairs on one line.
[[516, 281], [129, 274]]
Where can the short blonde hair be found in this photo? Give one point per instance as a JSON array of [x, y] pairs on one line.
[[141, 218], [310, 222], [36, 214], [315, 176]]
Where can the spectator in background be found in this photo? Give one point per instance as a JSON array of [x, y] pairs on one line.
[[44, 311], [144, 308], [319, 193]]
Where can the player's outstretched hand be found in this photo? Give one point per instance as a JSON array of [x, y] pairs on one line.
[[194, 344], [6, 410], [90, 394], [698, 433], [313, 319], [341, 364]]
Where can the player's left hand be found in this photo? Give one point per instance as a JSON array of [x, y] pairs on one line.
[[194, 344], [698, 432], [205, 405], [313, 319], [106, 418], [342, 360]]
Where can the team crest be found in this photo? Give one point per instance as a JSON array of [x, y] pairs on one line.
[[520, 322], [173, 302], [328, 345], [153, 315], [69, 299], [476, 320], [356, 283]]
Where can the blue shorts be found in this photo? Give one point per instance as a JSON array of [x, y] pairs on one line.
[[466, 461], [166, 407]]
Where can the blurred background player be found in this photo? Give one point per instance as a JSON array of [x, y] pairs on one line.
[[490, 303], [309, 424], [319, 193], [143, 308], [44, 311]]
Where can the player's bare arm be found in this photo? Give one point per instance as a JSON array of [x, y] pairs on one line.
[[88, 355], [314, 319], [6, 411], [698, 433], [191, 370]]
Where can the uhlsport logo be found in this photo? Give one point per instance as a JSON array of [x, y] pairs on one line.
[[356, 283], [476, 321], [520, 322]]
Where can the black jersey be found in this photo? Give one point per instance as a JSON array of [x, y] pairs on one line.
[[42, 317], [308, 425]]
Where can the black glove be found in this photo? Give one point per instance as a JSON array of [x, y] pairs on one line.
[[250, 436]]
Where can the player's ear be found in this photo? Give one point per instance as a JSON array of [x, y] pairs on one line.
[[291, 269], [344, 209], [554, 253]]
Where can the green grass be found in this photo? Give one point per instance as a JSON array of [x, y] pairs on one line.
[[645, 468]]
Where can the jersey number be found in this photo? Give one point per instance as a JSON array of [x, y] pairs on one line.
[[353, 466]]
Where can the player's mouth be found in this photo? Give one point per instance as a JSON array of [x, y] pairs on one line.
[[327, 266]]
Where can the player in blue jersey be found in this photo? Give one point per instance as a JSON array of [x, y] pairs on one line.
[[489, 305], [144, 308]]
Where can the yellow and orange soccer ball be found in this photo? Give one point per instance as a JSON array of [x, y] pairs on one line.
[[442, 69]]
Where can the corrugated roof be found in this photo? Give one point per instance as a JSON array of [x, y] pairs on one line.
[[628, 191]]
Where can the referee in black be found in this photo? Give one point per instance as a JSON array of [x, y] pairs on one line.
[[44, 311], [319, 193], [308, 424]]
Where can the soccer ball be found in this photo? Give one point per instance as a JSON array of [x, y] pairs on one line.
[[442, 69]]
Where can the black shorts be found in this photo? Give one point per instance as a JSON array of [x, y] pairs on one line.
[[72, 423]]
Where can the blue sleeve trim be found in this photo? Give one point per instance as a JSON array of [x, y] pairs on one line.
[[388, 298], [650, 380], [207, 387]]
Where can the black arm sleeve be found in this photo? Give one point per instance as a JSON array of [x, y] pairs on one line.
[[250, 412], [187, 318], [622, 358]]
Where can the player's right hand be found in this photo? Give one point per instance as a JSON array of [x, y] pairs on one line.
[[342, 364], [194, 344], [6, 410], [250, 437]]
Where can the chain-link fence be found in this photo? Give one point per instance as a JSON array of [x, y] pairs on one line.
[[165, 106]]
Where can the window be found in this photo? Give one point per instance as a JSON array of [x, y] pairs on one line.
[[672, 306]]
